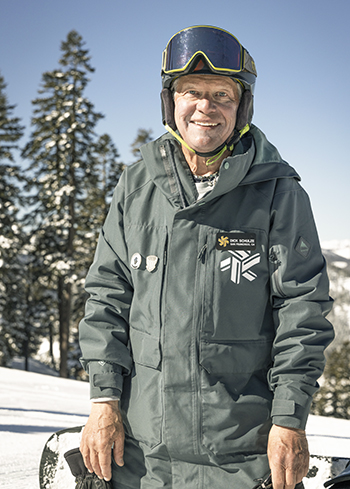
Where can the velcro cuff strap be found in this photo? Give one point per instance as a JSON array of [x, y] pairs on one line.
[[283, 407], [106, 380]]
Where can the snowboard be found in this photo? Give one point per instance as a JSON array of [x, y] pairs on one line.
[[322, 469], [54, 471]]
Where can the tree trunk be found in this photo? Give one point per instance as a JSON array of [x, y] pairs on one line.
[[26, 353], [64, 301], [51, 333]]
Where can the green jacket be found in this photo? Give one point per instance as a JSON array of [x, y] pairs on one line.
[[223, 331]]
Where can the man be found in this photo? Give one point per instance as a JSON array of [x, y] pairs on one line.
[[205, 328]]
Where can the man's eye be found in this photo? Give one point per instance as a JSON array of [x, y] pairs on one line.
[[222, 94]]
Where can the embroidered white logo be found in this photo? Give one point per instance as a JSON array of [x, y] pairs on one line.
[[240, 264]]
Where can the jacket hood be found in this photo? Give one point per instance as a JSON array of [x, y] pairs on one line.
[[268, 163]]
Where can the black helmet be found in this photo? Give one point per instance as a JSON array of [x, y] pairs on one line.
[[208, 50]]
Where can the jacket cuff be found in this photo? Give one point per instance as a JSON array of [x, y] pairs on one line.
[[289, 414], [106, 380]]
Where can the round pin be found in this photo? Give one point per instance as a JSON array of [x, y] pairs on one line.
[[135, 261]]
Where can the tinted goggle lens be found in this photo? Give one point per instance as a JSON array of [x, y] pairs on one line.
[[221, 48]]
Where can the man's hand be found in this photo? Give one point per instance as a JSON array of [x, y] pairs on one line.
[[103, 429], [288, 455]]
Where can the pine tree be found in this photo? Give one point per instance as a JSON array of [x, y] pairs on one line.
[[333, 397], [144, 136], [107, 171], [61, 170], [12, 329]]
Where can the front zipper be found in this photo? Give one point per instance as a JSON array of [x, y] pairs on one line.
[[276, 275], [165, 258], [195, 348]]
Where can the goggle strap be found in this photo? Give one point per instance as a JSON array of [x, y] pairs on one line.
[[248, 63]]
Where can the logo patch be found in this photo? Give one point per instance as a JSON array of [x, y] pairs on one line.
[[303, 247], [240, 264], [235, 241]]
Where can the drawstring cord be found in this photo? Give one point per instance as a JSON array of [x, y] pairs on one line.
[[221, 150]]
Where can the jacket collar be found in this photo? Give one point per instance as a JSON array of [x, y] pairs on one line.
[[254, 160]]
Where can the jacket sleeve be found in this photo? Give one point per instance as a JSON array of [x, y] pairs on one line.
[[104, 330], [300, 301]]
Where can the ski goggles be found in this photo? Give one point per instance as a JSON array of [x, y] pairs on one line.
[[221, 50]]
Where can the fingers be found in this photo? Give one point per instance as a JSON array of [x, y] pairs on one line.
[[96, 458], [285, 479], [103, 430], [118, 450], [288, 456], [104, 465]]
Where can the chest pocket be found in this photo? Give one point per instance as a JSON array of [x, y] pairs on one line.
[[146, 255], [236, 291]]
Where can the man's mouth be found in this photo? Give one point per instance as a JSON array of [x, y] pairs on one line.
[[205, 124]]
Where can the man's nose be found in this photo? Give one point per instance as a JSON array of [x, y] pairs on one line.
[[206, 104]]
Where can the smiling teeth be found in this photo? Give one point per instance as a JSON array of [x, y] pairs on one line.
[[205, 124]]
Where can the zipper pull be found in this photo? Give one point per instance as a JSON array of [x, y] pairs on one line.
[[274, 259], [201, 255]]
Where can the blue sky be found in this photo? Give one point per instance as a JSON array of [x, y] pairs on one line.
[[301, 49]]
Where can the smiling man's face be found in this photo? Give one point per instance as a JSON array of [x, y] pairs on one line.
[[205, 110]]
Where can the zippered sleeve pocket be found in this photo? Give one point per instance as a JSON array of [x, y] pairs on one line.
[[276, 272]]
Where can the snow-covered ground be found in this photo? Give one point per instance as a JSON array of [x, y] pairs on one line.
[[33, 406]]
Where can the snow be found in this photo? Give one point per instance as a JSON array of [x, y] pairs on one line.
[[329, 436], [34, 405]]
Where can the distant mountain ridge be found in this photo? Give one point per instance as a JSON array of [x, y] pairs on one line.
[[337, 250]]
